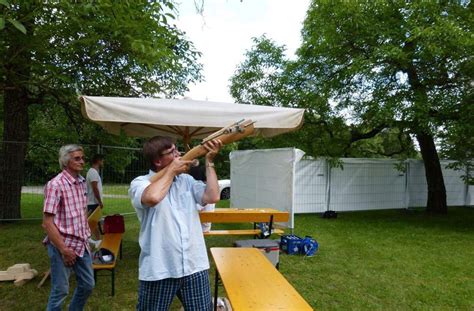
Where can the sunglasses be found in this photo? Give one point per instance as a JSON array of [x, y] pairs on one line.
[[77, 159]]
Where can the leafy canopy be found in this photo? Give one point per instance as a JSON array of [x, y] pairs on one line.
[[57, 50], [371, 75]]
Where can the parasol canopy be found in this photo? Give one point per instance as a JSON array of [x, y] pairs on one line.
[[184, 118]]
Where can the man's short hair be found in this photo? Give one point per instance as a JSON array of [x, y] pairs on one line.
[[96, 158], [154, 147], [65, 154]]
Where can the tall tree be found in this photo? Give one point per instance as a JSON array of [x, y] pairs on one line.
[[403, 66], [400, 63], [53, 50]]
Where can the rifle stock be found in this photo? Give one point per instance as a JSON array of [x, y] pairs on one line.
[[247, 129]]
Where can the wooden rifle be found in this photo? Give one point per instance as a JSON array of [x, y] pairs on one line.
[[226, 135]]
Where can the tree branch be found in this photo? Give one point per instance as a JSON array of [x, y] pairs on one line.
[[356, 135]]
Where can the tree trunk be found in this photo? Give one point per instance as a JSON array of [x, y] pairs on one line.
[[434, 176], [15, 123], [15, 137]]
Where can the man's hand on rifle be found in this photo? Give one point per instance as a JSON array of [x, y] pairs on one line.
[[212, 146], [211, 194], [179, 166]]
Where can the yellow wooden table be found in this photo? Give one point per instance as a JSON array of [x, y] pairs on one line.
[[235, 215], [252, 282], [222, 215]]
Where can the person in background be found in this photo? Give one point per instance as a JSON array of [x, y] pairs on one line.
[[94, 193], [94, 184], [173, 258], [199, 173], [65, 223]]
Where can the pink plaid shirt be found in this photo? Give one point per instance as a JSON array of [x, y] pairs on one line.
[[66, 198]]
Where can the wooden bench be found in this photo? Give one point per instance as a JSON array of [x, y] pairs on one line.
[[252, 282], [94, 218], [236, 215], [110, 241]]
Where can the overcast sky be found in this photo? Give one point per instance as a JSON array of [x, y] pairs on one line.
[[223, 34]]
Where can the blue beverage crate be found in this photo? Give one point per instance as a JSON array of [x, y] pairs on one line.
[[290, 244]]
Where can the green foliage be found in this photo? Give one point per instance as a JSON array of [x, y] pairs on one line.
[[258, 78], [403, 65], [17, 25], [267, 77], [104, 48], [108, 47], [366, 66], [6, 12], [457, 140], [400, 63], [50, 129]]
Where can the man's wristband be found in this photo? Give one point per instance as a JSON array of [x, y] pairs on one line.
[[210, 164]]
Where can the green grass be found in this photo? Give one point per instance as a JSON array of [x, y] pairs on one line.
[[32, 205], [390, 259], [116, 189]]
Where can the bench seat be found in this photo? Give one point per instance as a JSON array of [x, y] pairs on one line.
[[252, 282], [110, 241]]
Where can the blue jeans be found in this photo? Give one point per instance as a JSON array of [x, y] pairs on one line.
[[60, 280]]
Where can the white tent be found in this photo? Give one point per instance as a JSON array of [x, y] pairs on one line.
[[265, 178], [182, 118]]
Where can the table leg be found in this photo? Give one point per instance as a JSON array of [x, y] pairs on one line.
[[215, 289], [270, 226]]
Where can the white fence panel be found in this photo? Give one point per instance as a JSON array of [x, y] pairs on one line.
[[365, 184], [310, 186], [470, 196], [264, 178], [417, 188], [455, 186], [277, 178]]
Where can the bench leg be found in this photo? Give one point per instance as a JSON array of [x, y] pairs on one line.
[[215, 290], [113, 282], [270, 226], [95, 276]]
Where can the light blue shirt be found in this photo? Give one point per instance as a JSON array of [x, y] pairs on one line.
[[171, 240]]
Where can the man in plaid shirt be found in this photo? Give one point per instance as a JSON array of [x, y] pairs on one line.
[[65, 222]]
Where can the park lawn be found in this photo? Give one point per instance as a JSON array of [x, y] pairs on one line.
[[391, 259], [114, 189]]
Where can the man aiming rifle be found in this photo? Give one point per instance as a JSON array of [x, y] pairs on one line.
[[173, 259]]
